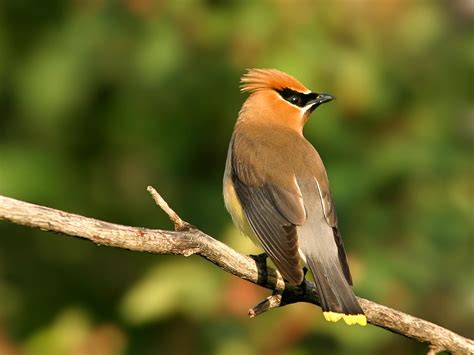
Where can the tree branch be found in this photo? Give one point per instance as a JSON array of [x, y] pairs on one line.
[[187, 240]]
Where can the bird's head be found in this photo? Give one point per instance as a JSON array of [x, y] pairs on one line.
[[279, 98]]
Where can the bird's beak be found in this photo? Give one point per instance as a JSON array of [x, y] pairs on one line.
[[320, 99], [323, 98]]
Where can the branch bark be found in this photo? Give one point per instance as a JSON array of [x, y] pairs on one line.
[[187, 240]]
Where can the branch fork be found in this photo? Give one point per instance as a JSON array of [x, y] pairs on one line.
[[179, 224]]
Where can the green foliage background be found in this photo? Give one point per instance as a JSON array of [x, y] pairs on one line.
[[100, 99]]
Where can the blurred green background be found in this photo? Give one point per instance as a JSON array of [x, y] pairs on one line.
[[100, 99]]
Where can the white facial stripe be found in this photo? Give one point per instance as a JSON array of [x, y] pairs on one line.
[[298, 90], [307, 107], [303, 110]]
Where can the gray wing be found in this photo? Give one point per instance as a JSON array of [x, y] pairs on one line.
[[330, 217], [321, 246]]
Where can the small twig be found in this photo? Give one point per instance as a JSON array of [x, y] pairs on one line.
[[179, 224], [270, 302], [286, 295]]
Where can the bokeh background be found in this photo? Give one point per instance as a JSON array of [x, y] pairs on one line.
[[99, 99]]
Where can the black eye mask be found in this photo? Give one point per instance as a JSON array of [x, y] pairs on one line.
[[297, 98]]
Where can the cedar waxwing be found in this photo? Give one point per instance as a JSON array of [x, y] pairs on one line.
[[277, 191]]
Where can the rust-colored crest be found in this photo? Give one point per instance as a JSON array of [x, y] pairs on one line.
[[261, 79]]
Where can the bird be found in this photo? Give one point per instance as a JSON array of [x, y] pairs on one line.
[[277, 192]]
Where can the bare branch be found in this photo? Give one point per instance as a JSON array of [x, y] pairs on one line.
[[188, 240]]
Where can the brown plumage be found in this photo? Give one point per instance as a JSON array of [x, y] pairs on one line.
[[260, 79], [277, 190]]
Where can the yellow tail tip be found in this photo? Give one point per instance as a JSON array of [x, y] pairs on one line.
[[348, 318]]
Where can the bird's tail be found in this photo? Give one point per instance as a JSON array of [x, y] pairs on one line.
[[337, 297]]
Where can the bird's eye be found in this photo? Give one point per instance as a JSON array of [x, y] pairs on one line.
[[295, 100], [293, 97]]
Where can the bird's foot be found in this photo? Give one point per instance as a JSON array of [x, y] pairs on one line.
[[260, 258], [303, 283], [261, 261]]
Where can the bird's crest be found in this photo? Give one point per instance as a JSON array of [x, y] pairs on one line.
[[261, 79]]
